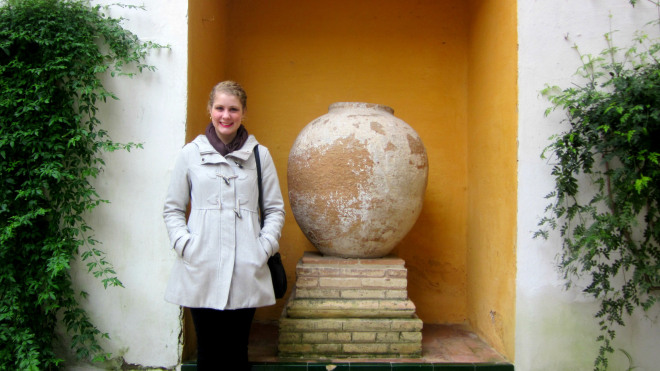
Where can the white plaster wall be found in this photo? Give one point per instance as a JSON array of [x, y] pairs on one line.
[[143, 328], [555, 328]]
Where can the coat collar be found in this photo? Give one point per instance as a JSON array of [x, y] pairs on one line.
[[243, 153]]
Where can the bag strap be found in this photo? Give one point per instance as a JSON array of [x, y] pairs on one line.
[[261, 190]]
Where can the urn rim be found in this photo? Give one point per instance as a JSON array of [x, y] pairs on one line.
[[343, 105]]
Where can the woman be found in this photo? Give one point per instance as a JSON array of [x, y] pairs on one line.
[[221, 272]]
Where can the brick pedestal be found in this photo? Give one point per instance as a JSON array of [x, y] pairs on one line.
[[350, 308]]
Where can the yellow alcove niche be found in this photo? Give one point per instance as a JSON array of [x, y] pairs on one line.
[[447, 68]]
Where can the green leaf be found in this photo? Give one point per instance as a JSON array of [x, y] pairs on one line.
[[607, 178], [54, 57]]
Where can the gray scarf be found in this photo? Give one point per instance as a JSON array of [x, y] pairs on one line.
[[224, 149]]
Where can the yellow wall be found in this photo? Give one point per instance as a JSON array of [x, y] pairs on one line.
[[207, 45], [492, 171], [296, 57]]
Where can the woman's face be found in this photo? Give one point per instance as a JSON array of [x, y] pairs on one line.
[[226, 115]]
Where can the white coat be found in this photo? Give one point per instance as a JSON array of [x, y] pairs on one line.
[[222, 251]]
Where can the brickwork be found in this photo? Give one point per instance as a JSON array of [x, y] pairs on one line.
[[350, 308]]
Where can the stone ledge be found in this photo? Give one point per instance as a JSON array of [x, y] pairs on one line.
[[343, 313], [361, 293], [354, 337], [356, 308], [364, 350], [316, 258], [413, 324], [353, 271], [352, 304], [377, 283]]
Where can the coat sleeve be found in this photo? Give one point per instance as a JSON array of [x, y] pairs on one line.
[[273, 202], [176, 204]]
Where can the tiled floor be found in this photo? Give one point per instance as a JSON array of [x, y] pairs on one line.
[[444, 347]]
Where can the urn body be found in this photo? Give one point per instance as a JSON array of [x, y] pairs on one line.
[[356, 179]]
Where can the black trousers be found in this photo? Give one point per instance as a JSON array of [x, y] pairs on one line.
[[222, 338]]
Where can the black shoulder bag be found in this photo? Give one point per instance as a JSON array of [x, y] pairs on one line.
[[277, 272]]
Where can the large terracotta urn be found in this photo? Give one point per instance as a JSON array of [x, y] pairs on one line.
[[356, 178]]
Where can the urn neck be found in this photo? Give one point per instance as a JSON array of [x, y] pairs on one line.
[[359, 105]]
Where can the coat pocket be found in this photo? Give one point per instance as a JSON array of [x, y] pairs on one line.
[[181, 243], [265, 246], [189, 249]]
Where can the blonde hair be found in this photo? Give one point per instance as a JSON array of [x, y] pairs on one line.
[[229, 87]]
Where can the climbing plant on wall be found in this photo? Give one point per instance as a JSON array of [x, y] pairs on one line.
[[53, 56], [606, 167]]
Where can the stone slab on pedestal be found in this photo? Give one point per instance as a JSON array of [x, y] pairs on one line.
[[350, 337], [350, 308]]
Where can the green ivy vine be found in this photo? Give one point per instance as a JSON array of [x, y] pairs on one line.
[[53, 56], [606, 169]]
